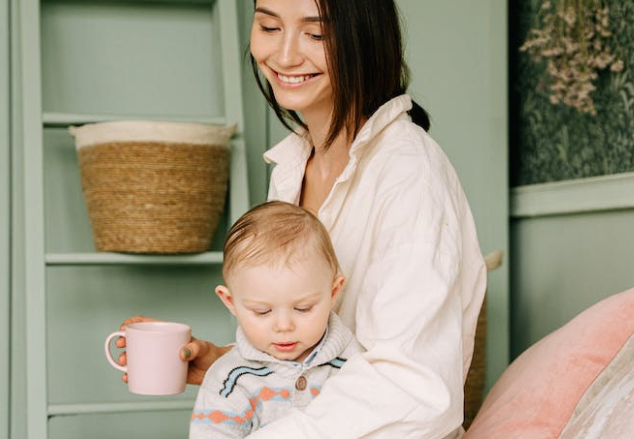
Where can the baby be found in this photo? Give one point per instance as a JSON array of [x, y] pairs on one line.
[[282, 279]]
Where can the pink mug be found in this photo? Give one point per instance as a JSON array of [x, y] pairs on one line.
[[154, 366]]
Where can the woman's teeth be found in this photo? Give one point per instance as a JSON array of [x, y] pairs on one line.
[[294, 79]]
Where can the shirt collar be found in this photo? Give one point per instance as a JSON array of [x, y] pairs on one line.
[[295, 149]]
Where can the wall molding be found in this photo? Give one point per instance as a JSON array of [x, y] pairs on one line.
[[596, 194]]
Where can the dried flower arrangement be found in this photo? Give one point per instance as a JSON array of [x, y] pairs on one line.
[[572, 36]]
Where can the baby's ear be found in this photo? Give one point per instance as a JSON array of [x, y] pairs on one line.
[[337, 286], [225, 295]]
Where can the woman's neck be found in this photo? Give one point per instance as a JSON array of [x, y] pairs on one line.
[[322, 170], [318, 123]]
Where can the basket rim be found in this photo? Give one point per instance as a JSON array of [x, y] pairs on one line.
[[151, 131]]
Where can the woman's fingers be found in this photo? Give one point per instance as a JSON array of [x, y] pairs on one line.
[[201, 355], [120, 342], [193, 350], [136, 319]]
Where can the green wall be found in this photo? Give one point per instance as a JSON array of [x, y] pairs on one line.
[[563, 263]]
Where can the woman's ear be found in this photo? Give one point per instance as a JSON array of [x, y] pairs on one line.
[[225, 295], [337, 286]]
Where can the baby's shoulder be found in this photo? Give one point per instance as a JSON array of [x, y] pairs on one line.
[[226, 371]]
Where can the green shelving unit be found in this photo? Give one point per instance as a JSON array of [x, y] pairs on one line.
[[5, 223], [78, 62]]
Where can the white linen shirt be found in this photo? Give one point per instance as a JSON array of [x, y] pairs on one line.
[[406, 241]]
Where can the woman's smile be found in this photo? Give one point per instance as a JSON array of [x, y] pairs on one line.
[[293, 80]]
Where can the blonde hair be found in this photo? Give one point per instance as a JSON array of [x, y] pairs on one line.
[[274, 233]]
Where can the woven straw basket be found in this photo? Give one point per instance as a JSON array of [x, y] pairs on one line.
[[153, 187]]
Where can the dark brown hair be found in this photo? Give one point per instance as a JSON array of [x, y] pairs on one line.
[[364, 50]]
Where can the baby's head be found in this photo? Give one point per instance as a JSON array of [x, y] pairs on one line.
[[282, 278]]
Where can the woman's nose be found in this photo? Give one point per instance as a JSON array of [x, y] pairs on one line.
[[290, 51]]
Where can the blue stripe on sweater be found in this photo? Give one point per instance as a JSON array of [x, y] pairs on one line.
[[236, 373]]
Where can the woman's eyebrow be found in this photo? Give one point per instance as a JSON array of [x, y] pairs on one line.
[[266, 11]]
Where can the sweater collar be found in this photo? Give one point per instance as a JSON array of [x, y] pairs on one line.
[[335, 340]]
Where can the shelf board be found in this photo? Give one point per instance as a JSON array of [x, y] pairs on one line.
[[118, 407], [57, 120], [106, 258]]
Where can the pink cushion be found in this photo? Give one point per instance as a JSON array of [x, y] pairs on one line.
[[536, 395]]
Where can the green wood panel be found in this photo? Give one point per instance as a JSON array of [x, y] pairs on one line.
[[30, 189], [87, 303], [562, 264], [5, 222], [161, 425], [145, 58], [17, 358], [255, 109]]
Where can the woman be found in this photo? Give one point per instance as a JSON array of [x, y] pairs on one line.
[[395, 210]]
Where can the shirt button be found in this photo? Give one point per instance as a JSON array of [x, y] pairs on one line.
[[301, 383]]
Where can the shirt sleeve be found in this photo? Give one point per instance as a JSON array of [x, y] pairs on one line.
[[409, 317]]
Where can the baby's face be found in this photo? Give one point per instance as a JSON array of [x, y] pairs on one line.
[[283, 310]]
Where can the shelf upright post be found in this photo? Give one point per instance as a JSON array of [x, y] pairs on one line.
[[231, 74], [31, 191], [5, 223]]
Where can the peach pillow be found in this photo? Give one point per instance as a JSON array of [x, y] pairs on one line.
[[536, 395]]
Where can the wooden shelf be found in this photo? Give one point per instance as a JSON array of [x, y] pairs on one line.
[[118, 407], [62, 120], [106, 258]]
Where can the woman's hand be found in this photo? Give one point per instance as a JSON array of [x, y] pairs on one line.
[[200, 354]]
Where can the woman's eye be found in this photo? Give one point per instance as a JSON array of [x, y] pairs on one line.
[[316, 37], [267, 29]]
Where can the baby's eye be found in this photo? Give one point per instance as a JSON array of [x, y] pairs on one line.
[[261, 312], [303, 308]]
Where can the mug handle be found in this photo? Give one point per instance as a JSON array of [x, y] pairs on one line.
[[109, 354]]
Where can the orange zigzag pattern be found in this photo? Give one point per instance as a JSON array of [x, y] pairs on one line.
[[218, 416]]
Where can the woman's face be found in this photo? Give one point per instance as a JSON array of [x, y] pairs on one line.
[[287, 44]]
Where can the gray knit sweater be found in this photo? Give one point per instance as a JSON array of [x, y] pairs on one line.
[[246, 389]]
